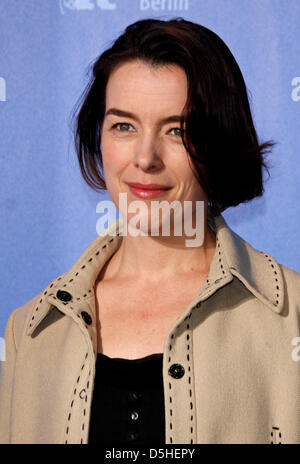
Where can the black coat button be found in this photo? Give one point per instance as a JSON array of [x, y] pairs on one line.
[[176, 371], [63, 295], [86, 317]]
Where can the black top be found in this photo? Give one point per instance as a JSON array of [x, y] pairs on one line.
[[128, 401]]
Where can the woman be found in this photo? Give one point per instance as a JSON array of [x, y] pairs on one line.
[[146, 339]]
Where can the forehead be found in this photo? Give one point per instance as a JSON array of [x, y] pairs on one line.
[[138, 84]]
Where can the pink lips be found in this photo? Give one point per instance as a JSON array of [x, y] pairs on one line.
[[147, 190]]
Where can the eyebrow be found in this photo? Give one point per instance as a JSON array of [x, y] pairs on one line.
[[127, 114]]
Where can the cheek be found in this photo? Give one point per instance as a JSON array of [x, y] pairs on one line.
[[110, 156], [115, 163], [188, 180], [184, 170]]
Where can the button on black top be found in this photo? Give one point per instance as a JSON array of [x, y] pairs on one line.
[[128, 401], [86, 317], [133, 395], [63, 295], [134, 416], [176, 371], [132, 436]]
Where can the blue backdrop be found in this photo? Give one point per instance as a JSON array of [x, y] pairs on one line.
[[48, 214]]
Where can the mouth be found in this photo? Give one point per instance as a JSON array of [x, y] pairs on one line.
[[148, 186], [147, 190]]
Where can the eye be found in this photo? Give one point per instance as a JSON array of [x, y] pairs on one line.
[[121, 124], [177, 129]]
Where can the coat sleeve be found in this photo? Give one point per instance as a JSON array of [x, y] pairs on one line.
[[8, 358]]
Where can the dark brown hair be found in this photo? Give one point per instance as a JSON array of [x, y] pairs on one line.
[[219, 134]]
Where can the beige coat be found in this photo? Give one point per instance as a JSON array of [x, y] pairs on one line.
[[236, 341]]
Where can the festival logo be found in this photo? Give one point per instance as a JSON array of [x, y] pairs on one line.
[[87, 5], [164, 5]]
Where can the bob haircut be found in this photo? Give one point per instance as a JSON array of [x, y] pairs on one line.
[[219, 136]]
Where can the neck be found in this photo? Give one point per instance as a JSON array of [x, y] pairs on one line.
[[155, 259]]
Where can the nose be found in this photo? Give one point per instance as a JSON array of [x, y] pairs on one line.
[[148, 154]]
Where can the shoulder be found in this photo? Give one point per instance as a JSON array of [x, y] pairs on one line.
[[290, 274], [291, 280]]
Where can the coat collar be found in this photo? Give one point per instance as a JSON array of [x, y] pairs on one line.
[[257, 270]]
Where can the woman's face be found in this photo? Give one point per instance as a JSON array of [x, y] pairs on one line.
[[144, 147]]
